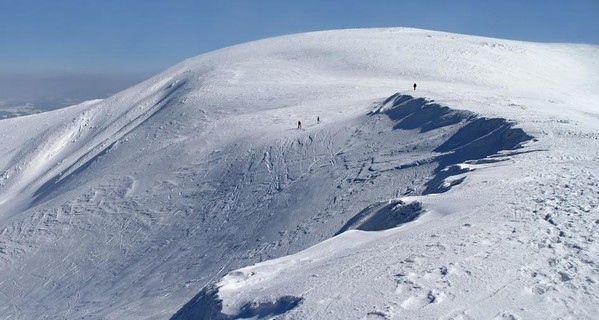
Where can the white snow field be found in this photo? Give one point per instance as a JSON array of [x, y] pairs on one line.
[[193, 195]]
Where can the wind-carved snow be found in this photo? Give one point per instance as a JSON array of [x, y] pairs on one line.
[[196, 183], [446, 138]]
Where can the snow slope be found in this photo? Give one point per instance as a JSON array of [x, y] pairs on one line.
[[135, 206]]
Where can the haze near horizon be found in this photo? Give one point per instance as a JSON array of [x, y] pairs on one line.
[[61, 53]]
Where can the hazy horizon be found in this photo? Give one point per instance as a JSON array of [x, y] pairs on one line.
[[27, 93]]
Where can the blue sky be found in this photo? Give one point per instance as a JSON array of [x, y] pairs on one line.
[[50, 44], [146, 36]]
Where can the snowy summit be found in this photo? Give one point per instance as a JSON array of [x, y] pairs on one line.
[[195, 195]]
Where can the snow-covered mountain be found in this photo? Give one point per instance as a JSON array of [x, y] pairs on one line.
[[193, 195]]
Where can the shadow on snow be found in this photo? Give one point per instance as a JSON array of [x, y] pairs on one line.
[[473, 140], [206, 305], [470, 140]]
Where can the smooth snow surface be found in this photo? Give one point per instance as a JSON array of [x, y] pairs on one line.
[[193, 195]]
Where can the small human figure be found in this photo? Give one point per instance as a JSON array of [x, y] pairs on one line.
[[318, 119], [414, 86], [299, 124]]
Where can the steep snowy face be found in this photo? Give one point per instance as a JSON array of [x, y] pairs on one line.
[[131, 205], [485, 75]]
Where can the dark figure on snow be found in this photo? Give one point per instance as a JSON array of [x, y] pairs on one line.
[[318, 119], [299, 124], [414, 86]]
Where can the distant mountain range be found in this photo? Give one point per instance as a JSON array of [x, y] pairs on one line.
[[27, 94]]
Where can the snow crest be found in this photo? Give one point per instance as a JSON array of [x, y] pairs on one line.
[[197, 183]]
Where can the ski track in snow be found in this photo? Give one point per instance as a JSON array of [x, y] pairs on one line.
[[461, 269], [193, 196]]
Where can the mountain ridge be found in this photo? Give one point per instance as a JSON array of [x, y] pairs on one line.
[[128, 207]]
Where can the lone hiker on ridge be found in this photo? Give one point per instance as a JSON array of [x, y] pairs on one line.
[[414, 86], [299, 124]]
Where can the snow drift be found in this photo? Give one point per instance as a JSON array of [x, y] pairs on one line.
[[137, 205]]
